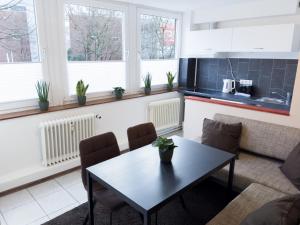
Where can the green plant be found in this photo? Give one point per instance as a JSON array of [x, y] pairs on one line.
[[147, 80], [119, 91], [81, 88], [171, 78], [42, 89], [164, 144]]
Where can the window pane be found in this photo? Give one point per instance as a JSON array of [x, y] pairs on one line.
[[20, 65], [158, 37], [95, 47]]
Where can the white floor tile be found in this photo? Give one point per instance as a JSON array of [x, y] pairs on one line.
[[55, 201], [40, 221], [45, 189], [14, 200], [62, 211], [69, 179], [78, 192], [2, 222], [24, 214]]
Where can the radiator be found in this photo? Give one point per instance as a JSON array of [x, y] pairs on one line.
[[60, 138], [165, 114]]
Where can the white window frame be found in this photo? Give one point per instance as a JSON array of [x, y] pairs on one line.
[[166, 14], [101, 5], [12, 106]]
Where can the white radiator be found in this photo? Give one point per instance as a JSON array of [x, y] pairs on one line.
[[60, 138], [165, 114]]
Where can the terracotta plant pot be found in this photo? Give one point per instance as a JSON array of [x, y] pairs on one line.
[[81, 100], [44, 106], [166, 155]]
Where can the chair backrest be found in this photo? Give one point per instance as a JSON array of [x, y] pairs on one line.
[[97, 149], [141, 135]]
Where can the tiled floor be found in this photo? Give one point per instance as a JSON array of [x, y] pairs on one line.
[[45, 201]]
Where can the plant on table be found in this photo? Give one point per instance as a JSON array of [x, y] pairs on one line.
[[118, 92], [147, 82], [166, 148], [42, 89], [171, 78]]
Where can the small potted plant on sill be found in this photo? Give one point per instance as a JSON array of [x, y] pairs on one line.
[[166, 148], [171, 78], [81, 92], [118, 92], [147, 82], [42, 89]]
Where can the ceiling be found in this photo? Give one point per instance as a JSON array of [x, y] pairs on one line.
[[184, 5]]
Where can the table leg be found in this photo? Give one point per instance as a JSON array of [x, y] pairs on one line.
[[147, 219], [90, 198], [231, 174]]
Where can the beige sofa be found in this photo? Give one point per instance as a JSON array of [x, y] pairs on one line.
[[257, 170]]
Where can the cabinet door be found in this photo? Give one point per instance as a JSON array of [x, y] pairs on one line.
[[272, 38], [218, 40]]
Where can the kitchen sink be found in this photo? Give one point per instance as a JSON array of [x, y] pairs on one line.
[[271, 100]]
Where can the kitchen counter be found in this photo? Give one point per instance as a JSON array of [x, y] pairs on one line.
[[236, 101]]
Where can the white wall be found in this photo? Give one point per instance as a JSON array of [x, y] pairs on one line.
[[196, 111], [20, 160]]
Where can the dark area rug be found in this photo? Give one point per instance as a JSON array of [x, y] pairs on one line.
[[203, 203]]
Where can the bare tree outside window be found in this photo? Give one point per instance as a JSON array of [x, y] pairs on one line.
[[93, 34], [158, 35], [18, 35]]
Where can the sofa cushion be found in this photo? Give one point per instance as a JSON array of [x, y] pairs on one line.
[[263, 138], [291, 167], [221, 135], [251, 168], [255, 196], [282, 211]]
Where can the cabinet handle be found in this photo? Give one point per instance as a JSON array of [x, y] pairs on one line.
[[259, 48], [207, 49]]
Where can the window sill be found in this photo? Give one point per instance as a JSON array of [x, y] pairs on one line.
[[31, 112]]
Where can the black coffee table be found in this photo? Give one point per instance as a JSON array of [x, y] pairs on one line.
[[141, 180]]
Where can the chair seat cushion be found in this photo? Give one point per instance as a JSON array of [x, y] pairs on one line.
[[256, 169], [254, 197], [108, 199]]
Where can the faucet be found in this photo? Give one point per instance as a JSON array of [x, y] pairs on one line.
[[287, 98]]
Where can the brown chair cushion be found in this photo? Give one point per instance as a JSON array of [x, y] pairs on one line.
[[221, 135], [283, 211], [95, 150], [291, 167], [141, 135]]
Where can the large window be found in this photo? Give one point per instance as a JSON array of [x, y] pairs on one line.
[[158, 46], [20, 65], [95, 47]]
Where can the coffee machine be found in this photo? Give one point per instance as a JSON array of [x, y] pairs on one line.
[[245, 88]]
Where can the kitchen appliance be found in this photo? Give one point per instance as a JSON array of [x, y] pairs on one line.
[[246, 87], [228, 85]]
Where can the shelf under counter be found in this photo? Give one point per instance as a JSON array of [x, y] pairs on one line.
[[239, 105]]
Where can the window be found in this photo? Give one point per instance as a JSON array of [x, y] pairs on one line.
[[20, 64], [95, 47], [158, 46]]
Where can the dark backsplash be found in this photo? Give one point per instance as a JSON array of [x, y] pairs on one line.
[[268, 75]]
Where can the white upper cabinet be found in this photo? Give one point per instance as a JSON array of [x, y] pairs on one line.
[[218, 40], [271, 38]]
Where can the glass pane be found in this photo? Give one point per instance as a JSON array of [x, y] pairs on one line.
[[158, 70], [158, 37], [18, 34], [93, 34], [101, 76]]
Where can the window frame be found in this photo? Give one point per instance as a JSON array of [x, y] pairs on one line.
[[102, 5], [12, 106], [160, 13]]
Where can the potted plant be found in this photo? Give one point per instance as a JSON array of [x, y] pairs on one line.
[[118, 92], [147, 82], [166, 148], [42, 88], [81, 92], [171, 78]]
